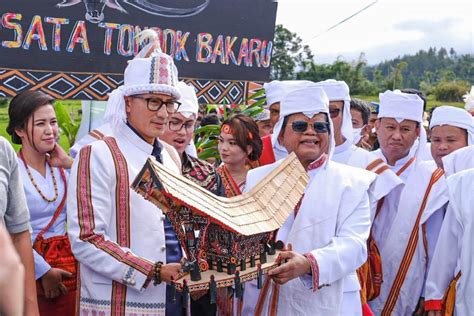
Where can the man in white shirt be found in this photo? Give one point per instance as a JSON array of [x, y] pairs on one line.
[[328, 231]]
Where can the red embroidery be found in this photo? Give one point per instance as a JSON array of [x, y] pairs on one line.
[[314, 270]]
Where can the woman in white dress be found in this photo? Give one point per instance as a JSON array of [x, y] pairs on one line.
[[42, 163]]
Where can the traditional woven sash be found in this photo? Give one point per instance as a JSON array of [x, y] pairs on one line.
[[122, 200], [449, 298], [409, 251], [96, 134]]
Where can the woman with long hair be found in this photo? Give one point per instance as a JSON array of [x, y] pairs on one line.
[[33, 124], [240, 147]]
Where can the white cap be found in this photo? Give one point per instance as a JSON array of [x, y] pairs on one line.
[[450, 115], [189, 102], [405, 106], [307, 100], [339, 91], [469, 100], [401, 106], [275, 90], [151, 71], [262, 116]]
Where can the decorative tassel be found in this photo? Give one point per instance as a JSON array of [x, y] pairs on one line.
[[186, 297], [213, 290], [238, 286], [173, 291], [243, 265], [252, 261], [219, 265], [259, 276]]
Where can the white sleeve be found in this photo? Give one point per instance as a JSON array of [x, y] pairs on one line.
[[90, 210], [445, 256], [347, 250]]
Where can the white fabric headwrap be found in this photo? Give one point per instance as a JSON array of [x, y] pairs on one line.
[[469, 100], [405, 106], [309, 101], [339, 91], [189, 102], [275, 90], [151, 71], [450, 115]]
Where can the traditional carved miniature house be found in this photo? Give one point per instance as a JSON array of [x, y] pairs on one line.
[[222, 236]]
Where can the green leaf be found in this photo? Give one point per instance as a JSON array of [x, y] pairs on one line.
[[208, 129], [257, 94]]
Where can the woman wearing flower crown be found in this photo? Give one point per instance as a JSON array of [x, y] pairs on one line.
[[33, 124], [239, 146]]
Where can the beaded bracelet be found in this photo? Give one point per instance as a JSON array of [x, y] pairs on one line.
[[157, 273]]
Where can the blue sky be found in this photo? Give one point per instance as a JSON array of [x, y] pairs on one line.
[[385, 30]]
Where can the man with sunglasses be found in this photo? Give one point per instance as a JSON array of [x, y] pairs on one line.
[[329, 229], [119, 238], [274, 92]]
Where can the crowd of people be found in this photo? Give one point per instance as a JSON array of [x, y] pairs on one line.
[[385, 226]]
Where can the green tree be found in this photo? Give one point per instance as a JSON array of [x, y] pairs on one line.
[[288, 54]]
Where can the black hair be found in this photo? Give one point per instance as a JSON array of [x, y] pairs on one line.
[[21, 108], [245, 132], [418, 93], [362, 107], [210, 119]]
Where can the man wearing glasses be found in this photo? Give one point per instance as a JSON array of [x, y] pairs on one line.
[[119, 238], [329, 229], [179, 133]]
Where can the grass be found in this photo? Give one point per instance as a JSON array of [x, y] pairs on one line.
[[73, 106]]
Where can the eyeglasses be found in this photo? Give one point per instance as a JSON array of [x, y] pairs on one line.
[[334, 112], [302, 126], [177, 126], [155, 104]]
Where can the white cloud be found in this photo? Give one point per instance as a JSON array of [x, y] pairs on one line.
[[385, 30]]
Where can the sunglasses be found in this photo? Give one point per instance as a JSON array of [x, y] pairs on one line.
[[302, 126]]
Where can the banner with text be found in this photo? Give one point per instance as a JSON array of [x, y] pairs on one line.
[[78, 49]]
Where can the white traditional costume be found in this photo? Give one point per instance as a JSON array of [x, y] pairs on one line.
[[274, 92], [454, 249], [448, 247], [349, 154], [408, 225], [331, 227], [115, 234]]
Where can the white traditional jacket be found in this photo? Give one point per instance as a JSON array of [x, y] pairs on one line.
[[412, 233], [116, 246], [461, 186], [354, 156], [333, 225]]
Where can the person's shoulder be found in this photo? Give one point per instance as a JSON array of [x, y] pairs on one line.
[[6, 149], [349, 174], [201, 163], [263, 170]]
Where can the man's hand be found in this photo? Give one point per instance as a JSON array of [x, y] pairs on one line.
[[170, 272], [52, 282], [296, 265], [59, 158], [364, 143]]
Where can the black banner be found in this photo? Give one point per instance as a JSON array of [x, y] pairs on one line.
[[209, 39]]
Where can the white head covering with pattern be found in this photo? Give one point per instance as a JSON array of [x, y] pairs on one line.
[[151, 71]]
